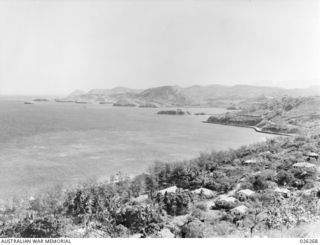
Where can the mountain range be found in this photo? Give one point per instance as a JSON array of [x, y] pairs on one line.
[[211, 95]]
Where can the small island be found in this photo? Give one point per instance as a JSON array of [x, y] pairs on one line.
[[149, 105], [174, 112], [41, 100], [200, 114], [125, 103]]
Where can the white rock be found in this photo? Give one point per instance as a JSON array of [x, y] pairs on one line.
[[247, 192], [313, 154], [285, 192], [204, 191], [81, 231], [211, 204], [141, 198], [250, 161], [226, 198], [166, 233], [180, 220], [136, 235], [304, 165], [239, 210], [171, 189]]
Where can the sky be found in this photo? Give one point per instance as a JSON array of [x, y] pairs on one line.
[[56, 46]]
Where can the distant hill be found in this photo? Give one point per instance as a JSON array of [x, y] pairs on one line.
[[211, 95], [311, 91], [101, 95], [204, 93], [113, 91], [166, 95], [76, 93]]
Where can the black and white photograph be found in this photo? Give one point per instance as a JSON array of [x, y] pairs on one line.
[[159, 119]]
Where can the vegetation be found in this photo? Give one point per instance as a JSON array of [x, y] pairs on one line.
[[284, 197]]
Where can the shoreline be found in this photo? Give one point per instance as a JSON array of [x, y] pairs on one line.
[[216, 194], [258, 130]]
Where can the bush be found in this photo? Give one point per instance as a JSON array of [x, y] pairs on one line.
[[138, 218], [223, 228], [221, 204], [259, 182], [42, 227], [34, 228], [194, 229], [309, 183], [175, 203], [284, 178], [219, 183], [303, 174]]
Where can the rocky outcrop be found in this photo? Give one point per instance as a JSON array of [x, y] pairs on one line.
[[235, 119]]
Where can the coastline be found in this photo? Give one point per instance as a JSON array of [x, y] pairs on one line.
[[207, 195], [258, 130]]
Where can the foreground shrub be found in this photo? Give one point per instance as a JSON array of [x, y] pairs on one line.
[[175, 203], [194, 229], [37, 228], [221, 229], [137, 218], [284, 178]]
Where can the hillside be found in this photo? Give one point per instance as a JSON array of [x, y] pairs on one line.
[[227, 96], [101, 95], [286, 115], [212, 95], [207, 93], [113, 91], [166, 95]]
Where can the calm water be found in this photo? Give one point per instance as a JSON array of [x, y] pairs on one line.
[[46, 144]]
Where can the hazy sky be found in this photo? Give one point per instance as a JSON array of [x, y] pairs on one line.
[[54, 47]]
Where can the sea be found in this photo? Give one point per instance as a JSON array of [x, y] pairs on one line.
[[49, 144]]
